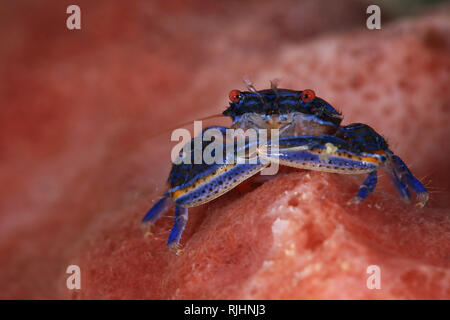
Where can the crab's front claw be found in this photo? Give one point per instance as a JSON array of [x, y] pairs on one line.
[[402, 179]]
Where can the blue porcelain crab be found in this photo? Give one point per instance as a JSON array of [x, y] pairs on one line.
[[310, 137]]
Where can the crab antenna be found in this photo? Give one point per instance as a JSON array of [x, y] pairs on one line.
[[252, 88], [137, 144], [274, 87], [249, 85]]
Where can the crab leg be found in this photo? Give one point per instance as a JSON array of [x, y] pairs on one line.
[[402, 178], [190, 185], [181, 217], [157, 210], [366, 188]]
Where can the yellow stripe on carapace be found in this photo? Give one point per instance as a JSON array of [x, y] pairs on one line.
[[202, 181], [177, 194]]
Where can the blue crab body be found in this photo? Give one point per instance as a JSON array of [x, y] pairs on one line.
[[310, 137]]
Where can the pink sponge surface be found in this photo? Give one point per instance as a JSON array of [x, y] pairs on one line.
[[293, 237], [81, 163]]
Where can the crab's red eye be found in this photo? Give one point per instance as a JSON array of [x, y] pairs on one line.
[[234, 95], [308, 95]]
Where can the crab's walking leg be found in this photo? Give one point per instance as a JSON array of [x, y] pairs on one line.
[[192, 184], [154, 214], [404, 179], [366, 188], [400, 186], [217, 181], [181, 217], [157, 210]]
